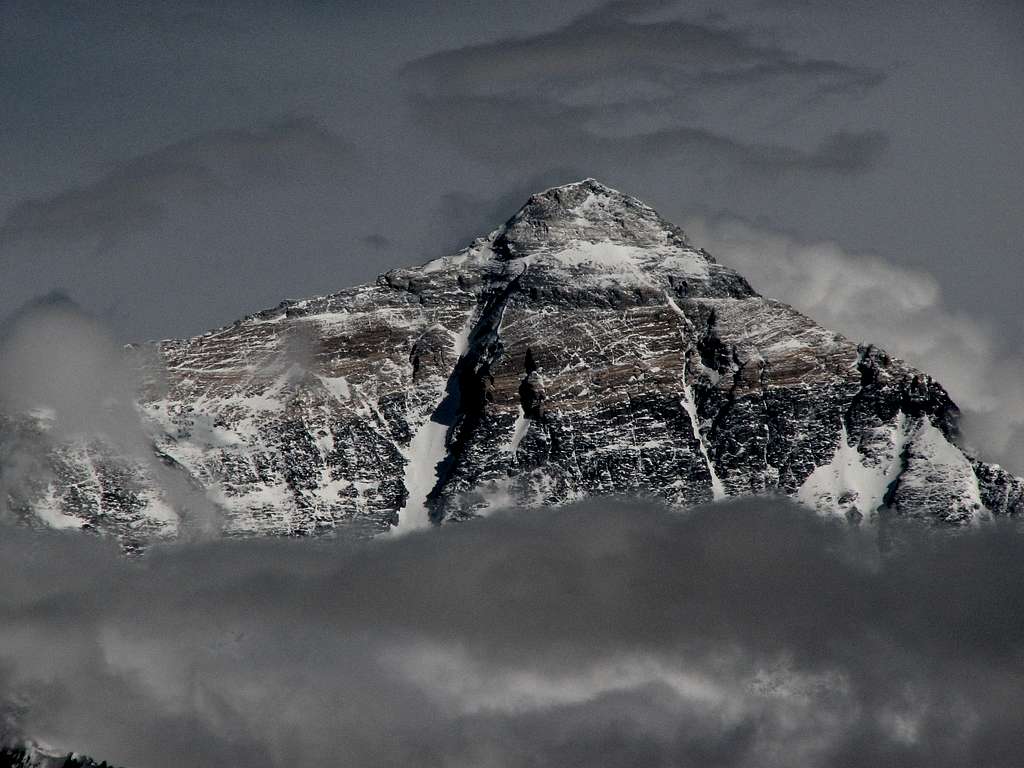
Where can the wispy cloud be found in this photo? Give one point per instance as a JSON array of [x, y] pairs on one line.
[[65, 381], [612, 83], [161, 239], [135, 193]]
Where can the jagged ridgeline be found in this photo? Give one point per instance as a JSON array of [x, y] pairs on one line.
[[584, 348], [29, 757]]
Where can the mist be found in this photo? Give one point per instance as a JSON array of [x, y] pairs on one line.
[[614, 632], [64, 380]]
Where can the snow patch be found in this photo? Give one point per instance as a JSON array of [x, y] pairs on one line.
[[718, 491], [717, 488], [852, 480], [939, 477], [337, 386], [618, 260], [426, 450], [519, 430], [48, 510], [159, 508]]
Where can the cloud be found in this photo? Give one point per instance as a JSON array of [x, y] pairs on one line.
[[56, 357], [65, 381], [136, 193], [197, 233], [870, 299], [378, 241], [840, 152], [612, 633], [614, 83]]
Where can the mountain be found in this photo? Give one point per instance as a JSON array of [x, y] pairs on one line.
[[583, 348], [30, 756]]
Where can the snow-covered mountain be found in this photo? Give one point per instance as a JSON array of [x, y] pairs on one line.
[[583, 348], [31, 756]]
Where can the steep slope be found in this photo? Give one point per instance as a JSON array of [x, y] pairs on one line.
[[583, 348]]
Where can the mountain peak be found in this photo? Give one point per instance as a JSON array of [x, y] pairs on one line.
[[582, 349], [588, 185], [584, 211]]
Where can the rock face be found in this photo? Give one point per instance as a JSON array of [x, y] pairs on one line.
[[584, 348], [29, 756]]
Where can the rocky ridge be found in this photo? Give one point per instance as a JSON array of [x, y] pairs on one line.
[[584, 348], [31, 756]]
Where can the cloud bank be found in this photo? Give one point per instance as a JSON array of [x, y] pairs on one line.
[[871, 299], [608, 633]]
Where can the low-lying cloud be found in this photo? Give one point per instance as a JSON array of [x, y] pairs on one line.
[[750, 633], [874, 300], [56, 358]]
